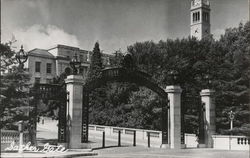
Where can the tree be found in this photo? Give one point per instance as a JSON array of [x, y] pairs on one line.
[[116, 59], [233, 87], [96, 64], [226, 62], [96, 96], [14, 90]]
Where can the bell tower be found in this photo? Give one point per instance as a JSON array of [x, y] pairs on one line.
[[200, 18]]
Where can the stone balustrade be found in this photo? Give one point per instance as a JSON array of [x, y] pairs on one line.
[[228, 142]]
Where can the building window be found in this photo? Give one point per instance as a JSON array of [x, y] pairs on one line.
[[49, 67], [37, 79], [196, 16], [48, 80], [38, 67], [81, 58], [205, 16]]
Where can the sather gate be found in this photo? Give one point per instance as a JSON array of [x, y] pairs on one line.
[[124, 75], [74, 106]]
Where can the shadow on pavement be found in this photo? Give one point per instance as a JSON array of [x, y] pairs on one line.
[[106, 147]]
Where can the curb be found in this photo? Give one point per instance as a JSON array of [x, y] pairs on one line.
[[47, 155]]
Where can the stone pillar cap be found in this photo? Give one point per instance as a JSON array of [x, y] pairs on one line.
[[76, 79], [173, 89], [207, 92]]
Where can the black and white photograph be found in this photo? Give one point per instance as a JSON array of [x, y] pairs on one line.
[[125, 78]]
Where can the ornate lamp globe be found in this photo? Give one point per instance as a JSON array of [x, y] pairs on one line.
[[75, 64], [208, 81], [174, 77], [21, 57], [231, 115]]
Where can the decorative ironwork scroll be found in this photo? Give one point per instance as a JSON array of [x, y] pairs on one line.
[[182, 123], [202, 123], [62, 122], [85, 116]]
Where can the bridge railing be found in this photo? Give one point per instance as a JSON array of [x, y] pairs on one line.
[[141, 135]]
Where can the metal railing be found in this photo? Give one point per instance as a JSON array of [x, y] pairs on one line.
[[9, 136]]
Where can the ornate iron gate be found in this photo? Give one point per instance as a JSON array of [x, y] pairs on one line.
[[85, 116], [201, 134], [190, 109], [54, 92]]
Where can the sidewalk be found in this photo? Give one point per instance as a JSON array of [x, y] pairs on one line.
[[49, 155], [45, 135]]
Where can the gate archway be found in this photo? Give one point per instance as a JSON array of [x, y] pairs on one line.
[[120, 74]]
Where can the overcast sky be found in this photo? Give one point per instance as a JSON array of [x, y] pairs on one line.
[[114, 23]]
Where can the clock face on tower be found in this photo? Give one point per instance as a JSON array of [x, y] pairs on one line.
[[197, 2], [196, 31]]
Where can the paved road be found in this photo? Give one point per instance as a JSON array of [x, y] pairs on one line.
[[142, 152], [128, 151]]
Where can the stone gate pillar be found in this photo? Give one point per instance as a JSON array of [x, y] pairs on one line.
[[207, 97], [74, 110], [174, 96]]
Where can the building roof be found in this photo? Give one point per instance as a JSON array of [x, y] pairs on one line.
[[40, 53], [63, 46]]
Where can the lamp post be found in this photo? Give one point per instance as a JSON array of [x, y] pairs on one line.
[[75, 64], [20, 129], [21, 57], [231, 115]]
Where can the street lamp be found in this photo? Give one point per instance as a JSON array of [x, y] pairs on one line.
[[21, 57], [208, 81], [231, 115], [174, 77], [75, 64]]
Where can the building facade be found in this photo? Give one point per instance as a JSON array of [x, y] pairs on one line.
[[200, 19], [45, 65]]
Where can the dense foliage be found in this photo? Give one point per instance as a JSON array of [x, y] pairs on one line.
[[225, 62], [14, 90]]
